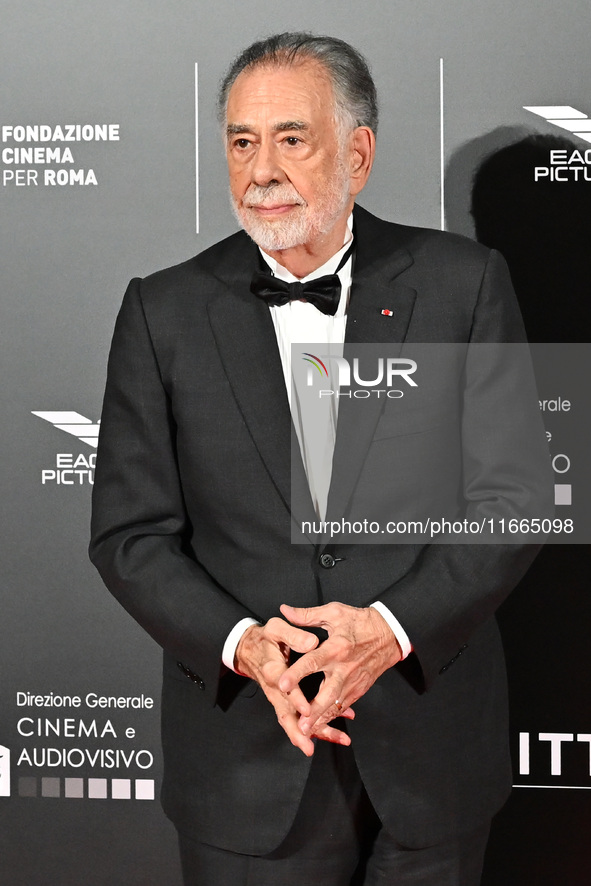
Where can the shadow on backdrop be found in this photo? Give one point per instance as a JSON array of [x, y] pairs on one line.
[[542, 229]]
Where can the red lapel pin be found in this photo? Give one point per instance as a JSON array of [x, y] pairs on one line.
[[386, 312]]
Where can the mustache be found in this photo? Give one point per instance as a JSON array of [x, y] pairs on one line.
[[258, 195]]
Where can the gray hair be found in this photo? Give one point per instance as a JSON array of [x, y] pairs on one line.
[[353, 87]]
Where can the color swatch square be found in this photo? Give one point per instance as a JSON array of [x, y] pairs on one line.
[[74, 788], [50, 787], [144, 788], [121, 789], [563, 494], [97, 788], [27, 786]]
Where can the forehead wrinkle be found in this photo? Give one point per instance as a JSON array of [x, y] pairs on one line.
[[316, 78]]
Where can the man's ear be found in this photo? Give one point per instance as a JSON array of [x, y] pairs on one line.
[[363, 147]]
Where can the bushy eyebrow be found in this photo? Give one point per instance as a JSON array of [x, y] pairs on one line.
[[298, 125], [284, 126], [236, 129]]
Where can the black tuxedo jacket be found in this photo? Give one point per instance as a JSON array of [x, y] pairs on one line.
[[192, 532]]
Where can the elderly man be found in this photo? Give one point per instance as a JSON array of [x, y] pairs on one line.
[[389, 768]]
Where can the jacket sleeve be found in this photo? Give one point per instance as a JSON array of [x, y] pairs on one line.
[[139, 522]]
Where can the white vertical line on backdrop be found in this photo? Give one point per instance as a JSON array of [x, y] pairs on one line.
[[441, 146], [196, 147]]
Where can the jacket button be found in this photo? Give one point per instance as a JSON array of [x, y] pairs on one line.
[[327, 561]]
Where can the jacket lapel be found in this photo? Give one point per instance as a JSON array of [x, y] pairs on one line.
[[378, 263], [245, 338]]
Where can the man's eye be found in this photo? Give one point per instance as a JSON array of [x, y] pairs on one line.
[[292, 140], [241, 143]]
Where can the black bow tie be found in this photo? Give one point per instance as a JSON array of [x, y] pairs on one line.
[[323, 292]]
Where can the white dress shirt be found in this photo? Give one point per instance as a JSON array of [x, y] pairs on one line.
[[301, 322]]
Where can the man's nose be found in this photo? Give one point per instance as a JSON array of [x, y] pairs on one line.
[[266, 166]]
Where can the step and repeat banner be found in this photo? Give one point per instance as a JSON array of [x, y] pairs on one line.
[[112, 166]]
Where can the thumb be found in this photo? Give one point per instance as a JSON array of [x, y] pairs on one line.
[[300, 615]]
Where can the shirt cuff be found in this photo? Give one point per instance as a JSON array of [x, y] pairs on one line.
[[233, 639], [397, 629]]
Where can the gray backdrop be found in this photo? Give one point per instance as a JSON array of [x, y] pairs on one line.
[[69, 251]]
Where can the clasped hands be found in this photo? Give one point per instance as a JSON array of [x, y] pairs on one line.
[[359, 648]]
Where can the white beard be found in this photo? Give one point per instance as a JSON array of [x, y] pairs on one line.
[[303, 225]]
